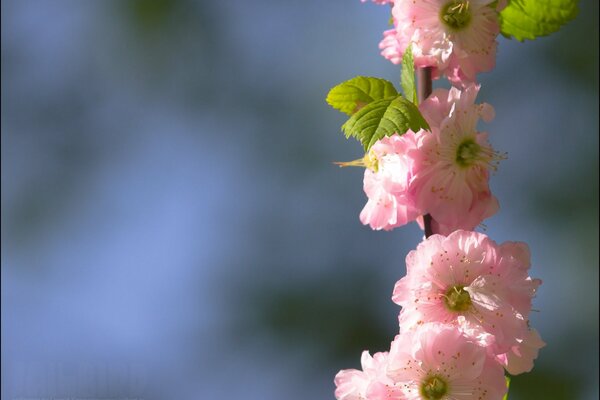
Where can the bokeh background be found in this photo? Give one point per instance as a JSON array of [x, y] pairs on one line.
[[173, 227]]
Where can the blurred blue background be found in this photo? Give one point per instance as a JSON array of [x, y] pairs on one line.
[[173, 227]]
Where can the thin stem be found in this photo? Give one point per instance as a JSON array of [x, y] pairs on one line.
[[424, 83], [424, 89], [427, 225]]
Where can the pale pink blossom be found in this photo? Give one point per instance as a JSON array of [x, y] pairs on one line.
[[352, 384], [520, 357], [453, 161], [390, 48], [455, 37], [467, 280], [443, 172], [389, 169], [439, 362]]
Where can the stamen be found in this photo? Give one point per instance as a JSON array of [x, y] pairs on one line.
[[434, 387], [470, 153], [457, 299], [456, 14]]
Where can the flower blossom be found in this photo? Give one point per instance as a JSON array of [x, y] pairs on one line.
[[431, 363], [352, 384], [455, 37], [468, 281], [389, 168], [520, 357], [438, 362], [454, 160], [443, 172]]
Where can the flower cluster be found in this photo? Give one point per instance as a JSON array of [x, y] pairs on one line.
[[465, 300], [444, 172], [433, 362], [464, 319], [457, 38]]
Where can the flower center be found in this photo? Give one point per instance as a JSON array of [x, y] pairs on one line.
[[433, 388], [467, 153], [457, 299], [456, 14]]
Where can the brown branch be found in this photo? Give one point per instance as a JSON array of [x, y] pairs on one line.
[[424, 83], [424, 89]]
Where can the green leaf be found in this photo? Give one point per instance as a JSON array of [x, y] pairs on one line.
[[407, 75], [359, 91], [507, 383], [528, 19], [384, 118]]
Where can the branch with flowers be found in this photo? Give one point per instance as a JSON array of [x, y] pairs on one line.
[[464, 323]]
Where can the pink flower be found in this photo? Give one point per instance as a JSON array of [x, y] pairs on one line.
[[444, 172], [390, 48], [387, 176], [453, 162], [470, 282], [439, 362], [352, 384], [455, 37], [520, 357]]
